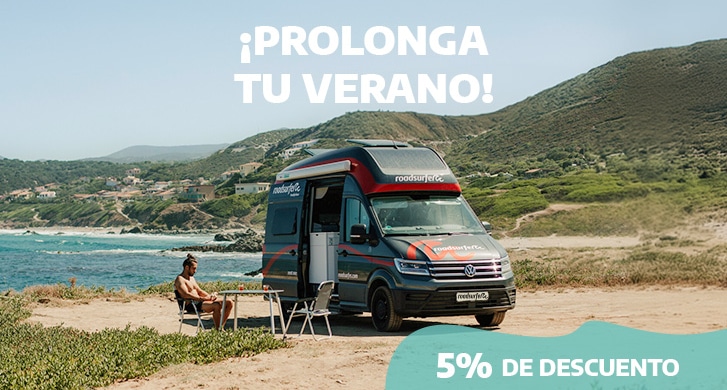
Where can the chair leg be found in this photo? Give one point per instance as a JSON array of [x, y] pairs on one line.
[[290, 318], [328, 325], [305, 321], [310, 325]]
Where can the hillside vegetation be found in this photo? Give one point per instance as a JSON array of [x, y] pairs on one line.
[[648, 125], [667, 102]]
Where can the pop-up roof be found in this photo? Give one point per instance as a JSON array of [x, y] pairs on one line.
[[380, 166]]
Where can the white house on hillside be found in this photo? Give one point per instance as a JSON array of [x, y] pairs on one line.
[[46, 195], [287, 153], [251, 188]]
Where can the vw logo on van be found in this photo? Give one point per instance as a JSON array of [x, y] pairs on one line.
[[470, 270]]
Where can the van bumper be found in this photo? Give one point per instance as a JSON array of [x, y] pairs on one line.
[[443, 301]]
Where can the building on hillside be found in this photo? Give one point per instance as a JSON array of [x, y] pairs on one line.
[[287, 153], [165, 195], [251, 188], [24, 193], [131, 180], [160, 185], [227, 175], [198, 193], [248, 168], [46, 195], [133, 172]]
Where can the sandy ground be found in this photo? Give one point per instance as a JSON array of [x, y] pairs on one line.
[[357, 356]]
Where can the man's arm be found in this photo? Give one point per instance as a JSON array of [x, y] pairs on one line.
[[204, 295], [188, 290]]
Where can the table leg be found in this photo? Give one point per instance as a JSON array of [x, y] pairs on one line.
[[280, 316], [234, 327], [224, 300], [272, 316]]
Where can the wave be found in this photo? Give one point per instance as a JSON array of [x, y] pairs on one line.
[[204, 238], [239, 275], [104, 251]]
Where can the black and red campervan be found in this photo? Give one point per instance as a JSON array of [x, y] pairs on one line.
[[388, 224]]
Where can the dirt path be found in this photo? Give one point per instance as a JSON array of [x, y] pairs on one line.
[[553, 208], [357, 357]]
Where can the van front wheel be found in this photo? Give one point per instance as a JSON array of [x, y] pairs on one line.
[[382, 311], [492, 319]]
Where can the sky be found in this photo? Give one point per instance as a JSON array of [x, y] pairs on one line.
[[81, 79]]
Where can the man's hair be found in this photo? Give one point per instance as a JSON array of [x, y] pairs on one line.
[[189, 261]]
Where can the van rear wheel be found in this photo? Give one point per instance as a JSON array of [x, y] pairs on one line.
[[491, 319], [382, 311]]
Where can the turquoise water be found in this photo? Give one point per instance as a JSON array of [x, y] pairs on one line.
[[130, 261]]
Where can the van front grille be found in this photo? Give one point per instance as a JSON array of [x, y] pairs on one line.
[[459, 270]]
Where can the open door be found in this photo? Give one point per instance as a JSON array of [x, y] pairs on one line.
[[323, 232]]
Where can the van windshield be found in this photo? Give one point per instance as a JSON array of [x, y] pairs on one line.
[[425, 215]]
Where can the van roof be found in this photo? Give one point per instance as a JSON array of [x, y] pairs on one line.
[[380, 167]]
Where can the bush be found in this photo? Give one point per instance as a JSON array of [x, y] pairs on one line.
[[34, 357], [233, 205], [12, 310]]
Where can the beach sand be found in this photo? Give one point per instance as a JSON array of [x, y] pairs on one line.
[[357, 357]]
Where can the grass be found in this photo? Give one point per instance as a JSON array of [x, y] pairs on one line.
[[35, 357], [648, 265]]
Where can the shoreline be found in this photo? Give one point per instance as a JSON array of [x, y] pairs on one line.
[[101, 231]]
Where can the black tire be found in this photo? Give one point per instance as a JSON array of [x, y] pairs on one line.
[[383, 315], [491, 319]]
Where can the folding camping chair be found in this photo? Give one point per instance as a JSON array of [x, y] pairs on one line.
[[314, 307], [187, 307]]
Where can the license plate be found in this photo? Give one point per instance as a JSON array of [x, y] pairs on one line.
[[473, 296]]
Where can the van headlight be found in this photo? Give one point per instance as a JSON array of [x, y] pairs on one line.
[[506, 266], [412, 267]]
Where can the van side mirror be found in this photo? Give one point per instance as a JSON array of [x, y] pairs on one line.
[[358, 234], [487, 226]]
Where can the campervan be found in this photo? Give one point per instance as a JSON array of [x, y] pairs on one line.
[[388, 224]]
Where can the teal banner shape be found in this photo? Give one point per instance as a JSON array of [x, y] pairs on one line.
[[598, 355]]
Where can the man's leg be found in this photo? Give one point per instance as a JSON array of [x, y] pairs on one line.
[[228, 310], [216, 309]]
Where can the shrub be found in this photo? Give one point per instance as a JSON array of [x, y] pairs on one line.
[[34, 357]]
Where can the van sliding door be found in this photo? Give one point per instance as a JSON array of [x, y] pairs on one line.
[[323, 231]]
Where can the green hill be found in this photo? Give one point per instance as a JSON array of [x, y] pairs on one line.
[[669, 104], [660, 101]]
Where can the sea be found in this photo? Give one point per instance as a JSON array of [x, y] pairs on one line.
[[115, 261]]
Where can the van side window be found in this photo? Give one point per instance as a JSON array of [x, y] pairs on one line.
[[285, 221], [355, 214]]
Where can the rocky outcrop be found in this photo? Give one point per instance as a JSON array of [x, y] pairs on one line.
[[134, 230], [247, 241], [182, 216]]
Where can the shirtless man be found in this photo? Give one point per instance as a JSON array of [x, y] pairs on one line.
[[189, 289]]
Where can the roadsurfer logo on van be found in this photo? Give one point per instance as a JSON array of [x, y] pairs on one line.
[[419, 179], [434, 251], [291, 189]]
